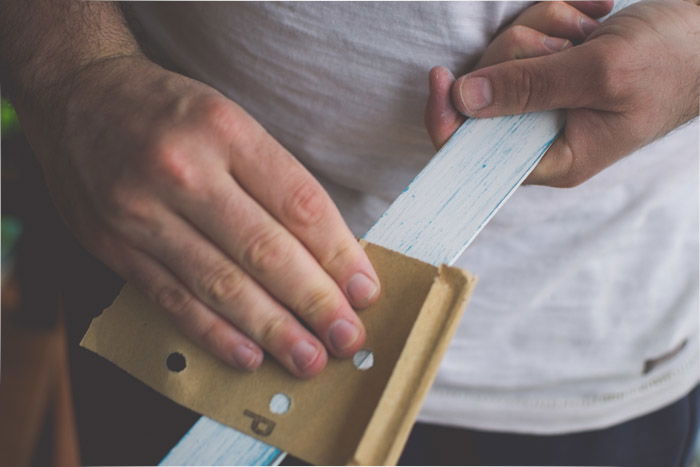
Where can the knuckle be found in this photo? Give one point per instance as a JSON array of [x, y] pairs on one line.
[[127, 204], [172, 164], [271, 330], [341, 254], [608, 74], [516, 40], [314, 305], [173, 299], [522, 92], [224, 287], [554, 12], [220, 115], [267, 251], [517, 34], [307, 204], [207, 333]]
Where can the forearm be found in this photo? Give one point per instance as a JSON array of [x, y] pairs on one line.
[[43, 43]]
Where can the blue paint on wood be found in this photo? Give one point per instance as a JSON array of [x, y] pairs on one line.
[[210, 443]]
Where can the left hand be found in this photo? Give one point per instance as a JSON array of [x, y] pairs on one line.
[[633, 79]]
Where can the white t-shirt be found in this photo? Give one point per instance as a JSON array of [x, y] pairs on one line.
[[583, 292]]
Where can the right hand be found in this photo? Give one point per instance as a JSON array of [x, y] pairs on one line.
[[634, 78], [184, 194]]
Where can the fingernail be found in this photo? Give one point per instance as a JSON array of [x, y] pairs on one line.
[[246, 357], [304, 354], [361, 290], [555, 44], [588, 25], [343, 334], [475, 94]]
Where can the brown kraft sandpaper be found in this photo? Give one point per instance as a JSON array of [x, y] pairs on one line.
[[342, 416]]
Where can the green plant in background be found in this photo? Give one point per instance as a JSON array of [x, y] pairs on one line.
[[11, 226], [9, 122], [11, 231]]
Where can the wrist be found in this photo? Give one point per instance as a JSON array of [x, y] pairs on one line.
[[45, 44], [54, 114]]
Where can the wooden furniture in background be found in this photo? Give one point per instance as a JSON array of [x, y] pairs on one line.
[[36, 410]]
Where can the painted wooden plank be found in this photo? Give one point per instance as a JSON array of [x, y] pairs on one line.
[[434, 219], [468, 180], [209, 442]]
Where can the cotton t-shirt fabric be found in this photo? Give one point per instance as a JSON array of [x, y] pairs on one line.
[[586, 310]]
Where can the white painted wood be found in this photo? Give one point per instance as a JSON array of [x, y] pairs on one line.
[[210, 443], [463, 186], [434, 219]]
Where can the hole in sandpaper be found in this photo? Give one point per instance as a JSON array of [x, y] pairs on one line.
[[363, 359], [176, 362], [280, 403]]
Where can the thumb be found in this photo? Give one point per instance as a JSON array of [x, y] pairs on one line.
[[441, 118], [560, 80]]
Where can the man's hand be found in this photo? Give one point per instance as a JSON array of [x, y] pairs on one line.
[[634, 78], [183, 193]]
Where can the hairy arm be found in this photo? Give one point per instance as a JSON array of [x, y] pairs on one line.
[[167, 182], [43, 43]]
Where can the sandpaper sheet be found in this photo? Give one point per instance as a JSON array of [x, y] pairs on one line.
[[342, 416]]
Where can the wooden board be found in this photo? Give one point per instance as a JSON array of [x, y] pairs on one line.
[[434, 219]]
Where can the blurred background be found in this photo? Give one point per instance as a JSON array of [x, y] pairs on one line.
[[61, 405]]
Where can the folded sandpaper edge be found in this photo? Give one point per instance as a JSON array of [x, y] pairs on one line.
[[392, 421], [417, 345]]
